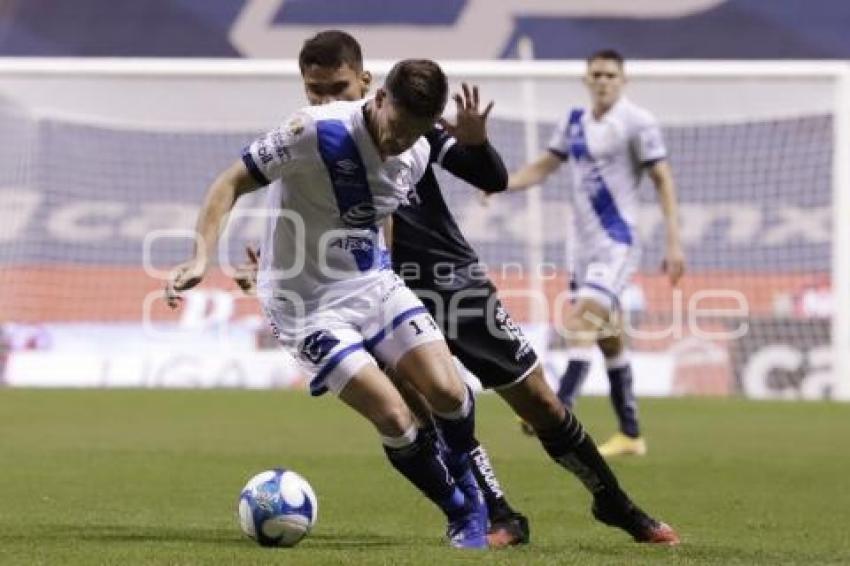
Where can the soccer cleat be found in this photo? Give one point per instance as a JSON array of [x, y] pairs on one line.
[[467, 484], [510, 530], [622, 445], [468, 530], [627, 516]]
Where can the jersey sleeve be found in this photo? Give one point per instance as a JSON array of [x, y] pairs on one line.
[[274, 153], [441, 142], [420, 151], [648, 141], [559, 143], [480, 165]]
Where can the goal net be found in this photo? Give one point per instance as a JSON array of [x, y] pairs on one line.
[[104, 164]]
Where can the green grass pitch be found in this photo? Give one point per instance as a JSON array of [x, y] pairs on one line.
[[151, 477]]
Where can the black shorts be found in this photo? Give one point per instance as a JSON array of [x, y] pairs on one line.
[[481, 334]]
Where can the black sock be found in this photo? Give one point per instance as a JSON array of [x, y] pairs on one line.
[[485, 477], [429, 431], [623, 399], [421, 464], [571, 447], [572, 380]]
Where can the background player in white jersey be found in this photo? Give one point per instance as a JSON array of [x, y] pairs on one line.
[[325, 281], [609, 147]]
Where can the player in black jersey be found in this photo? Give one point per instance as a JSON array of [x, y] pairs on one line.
[[431, 254]]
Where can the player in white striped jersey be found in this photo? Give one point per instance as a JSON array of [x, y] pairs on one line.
[[326, 283], [609, 148]]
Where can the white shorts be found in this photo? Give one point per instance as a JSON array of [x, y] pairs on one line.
[[382, 322], [604, 273]]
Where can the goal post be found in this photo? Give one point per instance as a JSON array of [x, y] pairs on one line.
[[96, 154]]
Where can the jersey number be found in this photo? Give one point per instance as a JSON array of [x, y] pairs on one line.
[[419, 330]]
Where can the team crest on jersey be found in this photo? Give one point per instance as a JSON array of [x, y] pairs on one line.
[[295, 127], [317, 345]]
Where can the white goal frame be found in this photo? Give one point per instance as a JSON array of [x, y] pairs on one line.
[[837, 72]]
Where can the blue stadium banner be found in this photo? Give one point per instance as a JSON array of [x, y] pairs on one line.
[[662, 29]]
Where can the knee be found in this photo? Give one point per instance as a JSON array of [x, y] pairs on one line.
[[611, 347], [582, 327], [444, 389], [446, 394], [393, 420]]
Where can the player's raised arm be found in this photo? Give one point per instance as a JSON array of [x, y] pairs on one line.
[[674, 256], [462, 148]]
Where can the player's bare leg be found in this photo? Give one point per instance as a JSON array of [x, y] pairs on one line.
[[371, 393], [415, 400], [582, 326], [565, 440]]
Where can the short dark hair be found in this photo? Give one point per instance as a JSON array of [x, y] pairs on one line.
[[419, 86], [332, 49], [607, 55]]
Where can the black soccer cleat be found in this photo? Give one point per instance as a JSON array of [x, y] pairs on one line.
[[626, 515], [508, 530]]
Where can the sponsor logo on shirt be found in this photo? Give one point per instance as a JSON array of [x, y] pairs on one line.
[[280, 142], [346, 167], [360, 215], [265, 153], [362, 248]]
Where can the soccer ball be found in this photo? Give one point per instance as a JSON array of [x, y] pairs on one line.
[[277, 508]]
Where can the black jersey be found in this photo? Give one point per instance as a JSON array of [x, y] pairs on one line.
[[428, 249]]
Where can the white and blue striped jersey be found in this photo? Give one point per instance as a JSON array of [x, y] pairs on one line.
[[324, 238], [608, 156]]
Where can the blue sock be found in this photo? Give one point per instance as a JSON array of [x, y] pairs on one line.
[[421, 464], [458, 432], [623, 395], [574, 376]]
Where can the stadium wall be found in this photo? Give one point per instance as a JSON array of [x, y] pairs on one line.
[[657, 29]]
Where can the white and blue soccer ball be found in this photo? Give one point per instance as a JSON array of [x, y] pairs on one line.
[[277, 508]]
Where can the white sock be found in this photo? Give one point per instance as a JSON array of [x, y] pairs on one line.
[[461, 412], [406, 439]]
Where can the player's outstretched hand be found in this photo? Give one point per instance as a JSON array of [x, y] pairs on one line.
[[470, 126], [246, 273], [674, 264], [183, 277]]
